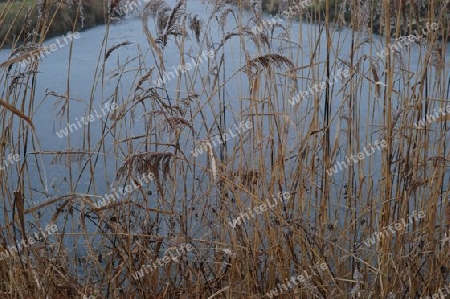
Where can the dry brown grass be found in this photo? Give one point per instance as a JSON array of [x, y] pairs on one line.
[[288, 149]]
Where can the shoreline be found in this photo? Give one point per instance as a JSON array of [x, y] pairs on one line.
[[274, 7], [94, 13]]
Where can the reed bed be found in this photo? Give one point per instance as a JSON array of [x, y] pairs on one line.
[[286, 149]]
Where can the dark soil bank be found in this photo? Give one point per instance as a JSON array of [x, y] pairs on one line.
[[62, 17]]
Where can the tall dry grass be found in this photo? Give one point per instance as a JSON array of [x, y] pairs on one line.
[[288, 149]]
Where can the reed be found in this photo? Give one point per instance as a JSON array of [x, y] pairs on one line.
[[288, 149]]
